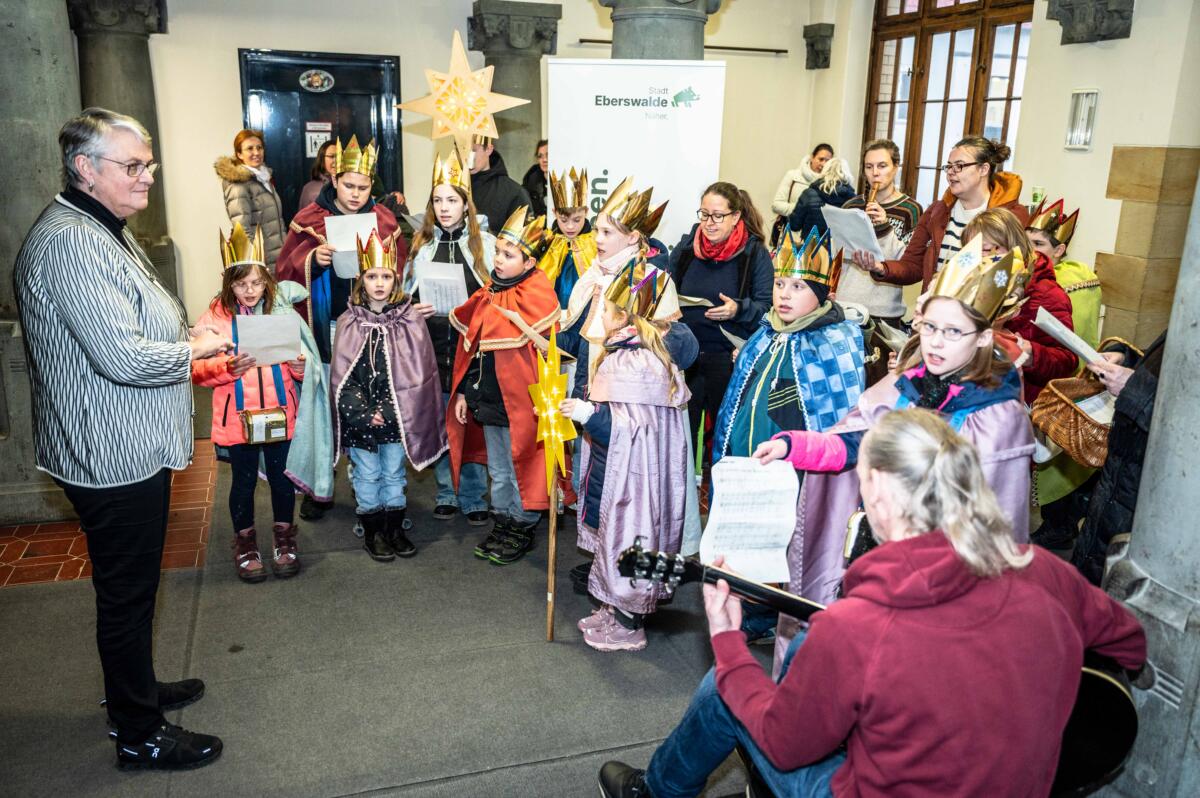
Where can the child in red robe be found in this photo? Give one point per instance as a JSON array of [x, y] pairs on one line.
[[491, 417]]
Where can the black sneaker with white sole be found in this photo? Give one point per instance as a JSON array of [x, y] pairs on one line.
[[169, 747]]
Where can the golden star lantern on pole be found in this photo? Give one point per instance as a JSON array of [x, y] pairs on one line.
[[553, 428], [461, 101]]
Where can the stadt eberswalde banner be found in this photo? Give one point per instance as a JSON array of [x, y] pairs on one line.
[[659, 121]]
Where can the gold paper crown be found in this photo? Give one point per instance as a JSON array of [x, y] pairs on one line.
[[632, 208], [352, 158], [373, 255], [808, 261], [578, 188], [239, 248], [451, 172], [638, 288], [1054, 222], [531, 237], [991, 286]]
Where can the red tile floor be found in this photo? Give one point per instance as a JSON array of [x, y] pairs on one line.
[[57, 552]]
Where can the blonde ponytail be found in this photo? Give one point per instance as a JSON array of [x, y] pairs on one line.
[[941, 486]]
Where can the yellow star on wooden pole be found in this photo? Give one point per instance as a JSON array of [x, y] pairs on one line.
[[461, 101], [554, 429]]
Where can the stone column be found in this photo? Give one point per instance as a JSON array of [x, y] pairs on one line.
[[41, 91], [1138, 278], [513, 37], [1158, 575], [114, 73], [669, 30]]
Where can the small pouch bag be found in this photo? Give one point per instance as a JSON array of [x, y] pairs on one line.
[[264, 426]]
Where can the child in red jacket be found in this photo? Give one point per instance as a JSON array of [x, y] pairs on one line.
[[1040, 357], [240, 386]]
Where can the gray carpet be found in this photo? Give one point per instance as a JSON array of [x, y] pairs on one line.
[[425, 677]]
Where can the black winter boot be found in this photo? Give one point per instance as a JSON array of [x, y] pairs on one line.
[[494, 538], [374, 540], [515, 544], [394, 533]]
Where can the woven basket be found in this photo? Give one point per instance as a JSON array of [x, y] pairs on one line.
[[1055, 413]]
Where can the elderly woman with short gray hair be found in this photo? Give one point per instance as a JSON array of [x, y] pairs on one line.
[[110, 358]]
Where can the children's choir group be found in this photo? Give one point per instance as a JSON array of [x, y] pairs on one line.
[[771, 359]]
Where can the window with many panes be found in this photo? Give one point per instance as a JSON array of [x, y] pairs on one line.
[[941, 70]]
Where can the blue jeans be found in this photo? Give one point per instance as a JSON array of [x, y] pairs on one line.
[[378, 478], [707, 735], [506, 496], [472, 483]]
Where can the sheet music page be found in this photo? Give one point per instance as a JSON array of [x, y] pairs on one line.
[[269, 339], [1059, 332], [850, 230], [342, 233], [442, 285], [752, 517]]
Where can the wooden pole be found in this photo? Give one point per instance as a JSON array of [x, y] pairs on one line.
[[551, 563]]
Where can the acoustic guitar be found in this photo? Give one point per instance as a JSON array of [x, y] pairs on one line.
[[1099, 734]]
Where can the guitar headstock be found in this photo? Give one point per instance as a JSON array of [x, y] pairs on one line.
[[659, 567]]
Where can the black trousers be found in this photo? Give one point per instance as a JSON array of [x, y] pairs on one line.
[[707, 380], [125, 529], [243, 460]]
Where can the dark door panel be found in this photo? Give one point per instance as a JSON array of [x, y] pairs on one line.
[[361, 101]]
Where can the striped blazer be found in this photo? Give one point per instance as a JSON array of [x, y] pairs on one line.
[[109, 362]]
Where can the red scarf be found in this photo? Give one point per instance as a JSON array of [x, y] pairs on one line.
[[723, 251]]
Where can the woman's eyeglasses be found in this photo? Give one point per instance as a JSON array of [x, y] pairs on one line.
[[704, 216], [136, 168], [927, 330], [955, 167]]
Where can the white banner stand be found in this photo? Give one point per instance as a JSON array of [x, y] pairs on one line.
[[659, 121]]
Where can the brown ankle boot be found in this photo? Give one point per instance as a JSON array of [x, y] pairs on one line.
[[286, 561], [246, 558]]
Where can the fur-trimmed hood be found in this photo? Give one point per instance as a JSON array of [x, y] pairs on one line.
[[233, 170]]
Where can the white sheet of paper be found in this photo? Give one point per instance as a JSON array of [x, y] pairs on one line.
[[850, 230], [752, 517], [345, 264], [694, 302], [269, 339], [1099, 407], [1058, 331], [342, 233], [442, 285]]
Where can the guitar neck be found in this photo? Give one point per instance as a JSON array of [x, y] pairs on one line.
[[759, 593]]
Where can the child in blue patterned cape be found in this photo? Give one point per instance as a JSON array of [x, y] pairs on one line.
[[802, 368]]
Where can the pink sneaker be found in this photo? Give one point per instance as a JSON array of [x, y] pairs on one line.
[[597, 618], [612, 636]]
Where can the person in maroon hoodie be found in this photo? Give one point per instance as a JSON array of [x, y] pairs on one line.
[[1038, 354], [949, 668]]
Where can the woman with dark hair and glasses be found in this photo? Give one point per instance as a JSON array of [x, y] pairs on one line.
[[110, 362], [724, 276], [974, 183]]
